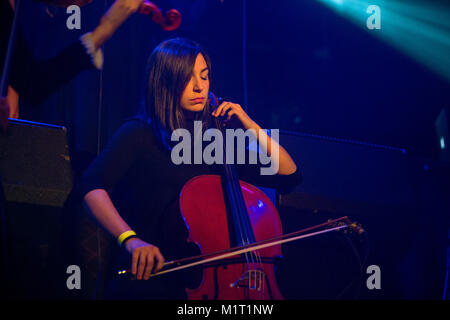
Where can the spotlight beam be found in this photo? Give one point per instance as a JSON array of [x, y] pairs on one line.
[[419, 29]]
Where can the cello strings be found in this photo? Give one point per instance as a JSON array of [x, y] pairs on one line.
[[255, 256], [239, 210], [238, 217], [232, 194], [248, 231], [243, 227]]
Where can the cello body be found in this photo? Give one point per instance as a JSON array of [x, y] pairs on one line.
[[204, 209]]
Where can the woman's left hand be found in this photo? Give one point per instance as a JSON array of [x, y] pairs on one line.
[[229, 109]]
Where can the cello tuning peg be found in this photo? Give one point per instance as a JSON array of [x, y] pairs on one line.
[[172, 20]]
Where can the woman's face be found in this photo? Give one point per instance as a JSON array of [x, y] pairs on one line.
[[195, 95]]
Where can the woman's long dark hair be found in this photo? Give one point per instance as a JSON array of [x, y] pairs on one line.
[[169, 70]]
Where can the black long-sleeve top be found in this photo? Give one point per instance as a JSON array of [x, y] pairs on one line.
[[36, 80], [144, 186], [144, 182]]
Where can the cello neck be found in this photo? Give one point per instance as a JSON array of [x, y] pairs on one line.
[[241, 232]]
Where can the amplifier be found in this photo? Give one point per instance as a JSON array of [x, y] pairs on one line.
[[35, 163], [36, 178]]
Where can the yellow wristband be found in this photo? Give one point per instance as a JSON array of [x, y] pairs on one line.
[[125, 235]]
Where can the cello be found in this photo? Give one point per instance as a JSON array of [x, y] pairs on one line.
[[231, 212], [239, 233]]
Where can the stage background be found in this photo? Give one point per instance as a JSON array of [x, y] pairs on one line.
[[307, 70]]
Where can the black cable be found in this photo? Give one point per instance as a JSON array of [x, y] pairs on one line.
[[360, 262]]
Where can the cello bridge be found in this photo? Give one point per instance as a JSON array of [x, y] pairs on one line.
[[251, 279]]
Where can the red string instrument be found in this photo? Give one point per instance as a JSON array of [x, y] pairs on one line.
[[222, 212], [239, 233], [171, 21]]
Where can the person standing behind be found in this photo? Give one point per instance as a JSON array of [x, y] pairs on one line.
[[34, 80]]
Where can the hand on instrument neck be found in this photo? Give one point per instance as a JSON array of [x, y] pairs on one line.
[[240, 119]]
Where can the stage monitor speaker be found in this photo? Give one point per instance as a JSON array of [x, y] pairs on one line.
[[35, 163], [36, 180]]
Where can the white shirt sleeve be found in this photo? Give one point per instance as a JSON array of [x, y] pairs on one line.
[[96, 55]]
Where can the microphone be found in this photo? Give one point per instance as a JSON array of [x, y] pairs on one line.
[[171, 21]]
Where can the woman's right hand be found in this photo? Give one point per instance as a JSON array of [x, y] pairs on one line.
[[145, 258]]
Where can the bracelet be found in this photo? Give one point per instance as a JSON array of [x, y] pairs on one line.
[[125, 236]]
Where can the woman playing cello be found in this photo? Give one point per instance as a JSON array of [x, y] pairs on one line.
[[132, 184]]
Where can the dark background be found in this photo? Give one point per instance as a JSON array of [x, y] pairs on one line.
[[308, 70], [313, 73]]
